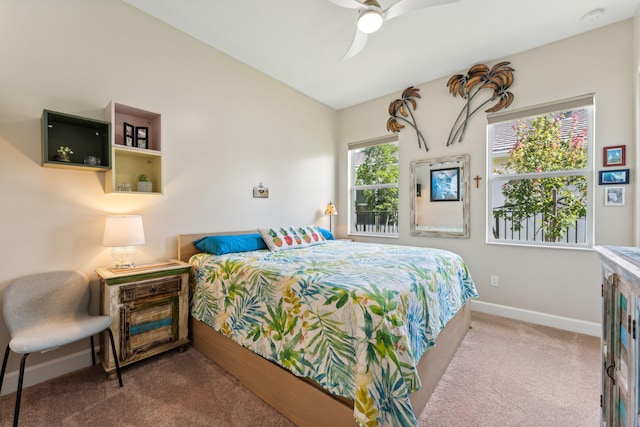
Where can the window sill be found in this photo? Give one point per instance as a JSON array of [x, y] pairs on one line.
[[541, 245], [389, 236]]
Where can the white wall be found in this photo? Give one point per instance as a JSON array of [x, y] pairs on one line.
[[557, 282], [226, 127]]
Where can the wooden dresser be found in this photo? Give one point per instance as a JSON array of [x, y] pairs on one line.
[[149, 306], [620, 350]]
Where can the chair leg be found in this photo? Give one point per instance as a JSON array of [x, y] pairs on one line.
[[19, 392], [115, 355], [4, 366], [93, 352]]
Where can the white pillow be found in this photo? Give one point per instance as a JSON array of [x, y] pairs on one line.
[[279, 238], [311, 235]]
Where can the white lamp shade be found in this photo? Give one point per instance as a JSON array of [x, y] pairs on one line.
[[331, 209], [123, 230]]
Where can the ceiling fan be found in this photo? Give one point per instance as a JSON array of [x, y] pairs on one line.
[[371, 16]]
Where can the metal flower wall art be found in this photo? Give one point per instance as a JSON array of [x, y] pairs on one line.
[[498, 79], [400, 111]]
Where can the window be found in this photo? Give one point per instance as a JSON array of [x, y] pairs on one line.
[[373, 192], [540, 172]]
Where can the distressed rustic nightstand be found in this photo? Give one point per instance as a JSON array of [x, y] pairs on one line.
[[149, 306]]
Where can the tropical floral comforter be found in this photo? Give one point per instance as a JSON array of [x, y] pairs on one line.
[[355, 317]]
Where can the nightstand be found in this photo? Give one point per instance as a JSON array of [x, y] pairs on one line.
[[149, 306]]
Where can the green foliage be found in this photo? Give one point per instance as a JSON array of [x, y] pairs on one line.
[[332, 344], [558, 201], [380, 166], [279, 322], [204, 304]]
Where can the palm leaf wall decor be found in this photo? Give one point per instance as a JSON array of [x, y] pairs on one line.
[[400, 111], [498, 79]]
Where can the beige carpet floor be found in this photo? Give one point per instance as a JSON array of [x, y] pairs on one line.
[[506, 373]]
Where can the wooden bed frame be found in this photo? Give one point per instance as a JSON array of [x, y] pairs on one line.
[[302, 400]]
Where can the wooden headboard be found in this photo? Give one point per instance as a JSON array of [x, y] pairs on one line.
[[185, 242]]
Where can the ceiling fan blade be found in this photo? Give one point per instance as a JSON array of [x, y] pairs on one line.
[[406, 6], [349, 4], [359, 41]]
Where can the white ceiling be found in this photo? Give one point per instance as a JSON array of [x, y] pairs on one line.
[[300, 42]]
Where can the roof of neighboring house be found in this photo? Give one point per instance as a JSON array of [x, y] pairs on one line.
[[504, 136]]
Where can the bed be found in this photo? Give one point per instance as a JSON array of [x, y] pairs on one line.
[[372, 371]]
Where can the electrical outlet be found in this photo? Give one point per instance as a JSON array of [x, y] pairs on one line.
[[494, 280]]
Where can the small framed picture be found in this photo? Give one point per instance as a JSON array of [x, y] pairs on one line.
[[614, 156], [614, 196], [142, 137], [445, 185], [618, 176], [128, 134]]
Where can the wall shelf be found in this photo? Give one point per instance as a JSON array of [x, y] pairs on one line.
[[129, 160], [85, 137]]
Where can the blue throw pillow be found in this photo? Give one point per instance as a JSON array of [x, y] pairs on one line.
[[220, 245], [326, 233]]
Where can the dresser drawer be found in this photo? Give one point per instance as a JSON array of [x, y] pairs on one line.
[[149, 289]]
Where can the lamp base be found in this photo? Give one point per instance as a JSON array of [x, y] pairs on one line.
[[124, 257]]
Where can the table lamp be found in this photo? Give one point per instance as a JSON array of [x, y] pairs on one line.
[[123, 233], [331, 210]]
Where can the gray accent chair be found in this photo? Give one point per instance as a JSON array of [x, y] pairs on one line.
[[45, 311]]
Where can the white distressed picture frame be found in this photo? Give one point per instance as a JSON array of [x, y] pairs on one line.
[[614, 196]]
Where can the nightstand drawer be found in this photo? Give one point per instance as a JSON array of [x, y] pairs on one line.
[[152, 288], [146, 325]]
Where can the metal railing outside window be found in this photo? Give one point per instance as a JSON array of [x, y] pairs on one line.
[[367, 221], [529, 230]]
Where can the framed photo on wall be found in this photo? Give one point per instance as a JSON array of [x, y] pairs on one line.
[[128, 134], [614, 196], [142, 137], [614, 155], [445, 185], [609, 177]]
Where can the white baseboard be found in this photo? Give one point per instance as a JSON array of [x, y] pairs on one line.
[[45, 371], [539, 318]]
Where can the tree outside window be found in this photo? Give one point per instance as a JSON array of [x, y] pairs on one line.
[[540, 179], [374, 193]]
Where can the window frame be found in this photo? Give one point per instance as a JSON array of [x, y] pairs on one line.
[[352, 188], [581, 102]]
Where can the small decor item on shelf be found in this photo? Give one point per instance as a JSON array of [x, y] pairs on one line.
[[128, 134], [142, 137], [123, 186], [92, 161], [403, 107], [144, 184], [63, 154], [499, 79]]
